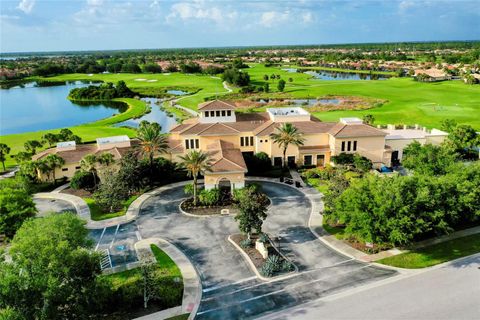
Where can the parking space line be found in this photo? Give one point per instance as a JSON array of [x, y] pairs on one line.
[[115, 235], [101, 237]]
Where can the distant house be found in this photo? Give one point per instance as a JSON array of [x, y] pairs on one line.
[[431, 75]]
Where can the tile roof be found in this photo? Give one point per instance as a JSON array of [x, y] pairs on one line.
[[81, 150], [216, 105], [342, 130], [305, 127], [225, 157]]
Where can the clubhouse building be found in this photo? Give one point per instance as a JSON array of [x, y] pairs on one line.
[[227, 135]]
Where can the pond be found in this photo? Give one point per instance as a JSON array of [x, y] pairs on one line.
[[331, 75], [156, 115], [177, 92], [32, 107]]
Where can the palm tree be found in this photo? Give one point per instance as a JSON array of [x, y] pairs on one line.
[[105, 159], [4, 150], [151, 140], [50, 138], [32, 146], [88, 163], [195, 162], [52, 162], [286, 135]]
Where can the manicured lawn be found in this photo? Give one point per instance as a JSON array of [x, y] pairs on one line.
[[97, 214], [435, 254], [128, 285], [338, 232], [409, 102]]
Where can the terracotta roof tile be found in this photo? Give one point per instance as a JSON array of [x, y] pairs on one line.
[[216, 105], [226, 158], [342, 130]]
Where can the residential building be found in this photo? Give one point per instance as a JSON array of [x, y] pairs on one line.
[[228, 135]]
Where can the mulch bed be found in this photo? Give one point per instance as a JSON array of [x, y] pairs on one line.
[[79, 193], [206, 211], [253, 254]]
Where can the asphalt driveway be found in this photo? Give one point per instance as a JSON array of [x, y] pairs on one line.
[[230, 288]]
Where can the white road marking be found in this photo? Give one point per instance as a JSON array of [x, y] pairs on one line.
[[115, 235], [139, 236], [227, 285], [101, 237]]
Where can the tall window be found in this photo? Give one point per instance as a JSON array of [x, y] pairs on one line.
[[207, 114], [217, 113], [354, 145], [343, 145], [224, 113], [349, 145], [246, 141], [192, 144], [229, 113]]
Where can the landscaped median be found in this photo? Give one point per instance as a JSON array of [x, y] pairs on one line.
[[265, 260]]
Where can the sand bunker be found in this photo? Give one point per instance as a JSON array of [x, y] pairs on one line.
[[140, 79]]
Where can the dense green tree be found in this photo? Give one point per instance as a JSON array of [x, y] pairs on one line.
[[22, 156], [281, 85], [266, 87], [53, 272], [50, 138], [4, 150], [236, 77], [111, 192], [428, 159], [16, 205], [266, 77], [31, 146], [196, 163], [464, 140], [152, 68], [253, 206], [285, 135]]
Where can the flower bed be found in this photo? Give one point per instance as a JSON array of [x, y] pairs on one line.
[[275, 264]]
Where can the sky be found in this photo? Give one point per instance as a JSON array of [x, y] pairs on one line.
[[60, 25]]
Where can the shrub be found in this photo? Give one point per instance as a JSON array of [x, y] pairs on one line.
[[263, 238], [82, 180], [188, 189], [272, 265], [247, 243], [209, 197], [287, 266]]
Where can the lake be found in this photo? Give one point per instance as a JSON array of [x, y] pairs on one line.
[[31, 107], [331, 75], [156, 115]]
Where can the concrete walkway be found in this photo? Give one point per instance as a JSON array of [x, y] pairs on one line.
[[296, 177], [192, 291]]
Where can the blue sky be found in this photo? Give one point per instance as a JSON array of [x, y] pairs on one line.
[[54, 25]]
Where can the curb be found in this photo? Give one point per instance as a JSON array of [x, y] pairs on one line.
[[192, 285], [254, 269]]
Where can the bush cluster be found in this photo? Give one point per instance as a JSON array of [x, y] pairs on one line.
[[106, 91]]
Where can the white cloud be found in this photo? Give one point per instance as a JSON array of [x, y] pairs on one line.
[[271, 18], [198, 10], [307, 17], [26, 6]]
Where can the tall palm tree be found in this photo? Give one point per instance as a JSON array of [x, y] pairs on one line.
[[195, 162], [287, 135], [53, 161], [151, 140], [4, 150], [89, 164]]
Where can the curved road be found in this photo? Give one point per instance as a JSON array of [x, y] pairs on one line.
[[230, 288]]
